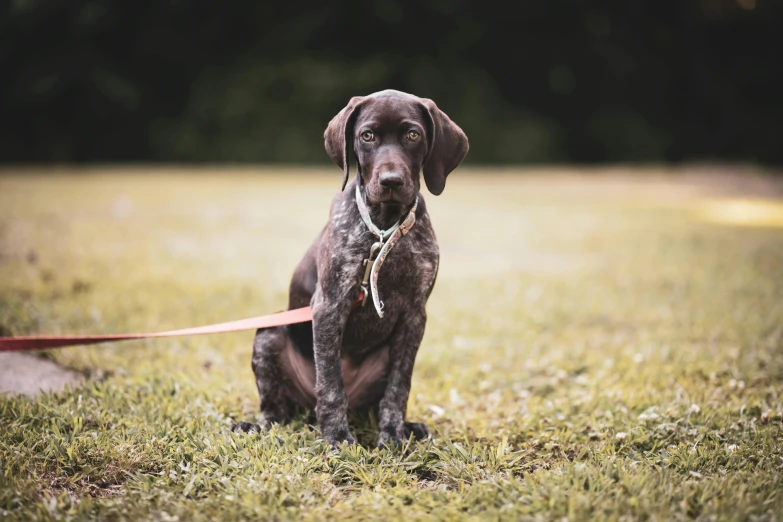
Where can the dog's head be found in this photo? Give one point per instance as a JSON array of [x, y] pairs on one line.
[[393, 135]]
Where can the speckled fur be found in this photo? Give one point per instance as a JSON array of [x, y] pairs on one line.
[[349, 357]]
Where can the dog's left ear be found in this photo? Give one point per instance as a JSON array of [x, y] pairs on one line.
[[448, 146], [338, 136]]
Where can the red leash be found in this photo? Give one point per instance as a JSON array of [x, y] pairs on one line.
[[14, 344]]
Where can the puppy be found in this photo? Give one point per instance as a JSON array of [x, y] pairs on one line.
[[367, 276]]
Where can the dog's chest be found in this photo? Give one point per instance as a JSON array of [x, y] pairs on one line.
[[404, 282], [407, 272]]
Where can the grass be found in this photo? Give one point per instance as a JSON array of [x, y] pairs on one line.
[[599, 345]]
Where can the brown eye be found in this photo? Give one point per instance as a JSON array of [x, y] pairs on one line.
[[368, 136], [414, 135]]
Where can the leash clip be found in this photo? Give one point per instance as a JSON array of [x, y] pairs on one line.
[[362, 299], [368, 264]]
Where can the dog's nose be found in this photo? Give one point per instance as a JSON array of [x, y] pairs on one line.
[[391, 180]]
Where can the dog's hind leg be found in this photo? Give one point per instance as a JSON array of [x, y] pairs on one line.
[[269, 349]]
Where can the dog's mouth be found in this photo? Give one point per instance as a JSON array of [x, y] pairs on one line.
[[391, 199], [394, 198]]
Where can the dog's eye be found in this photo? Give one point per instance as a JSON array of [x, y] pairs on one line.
[[414, 135], [368, 136]]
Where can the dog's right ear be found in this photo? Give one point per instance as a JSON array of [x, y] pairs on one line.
[[338, 136]]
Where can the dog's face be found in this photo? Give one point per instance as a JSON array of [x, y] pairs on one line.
[[390, 146], [393, 135]]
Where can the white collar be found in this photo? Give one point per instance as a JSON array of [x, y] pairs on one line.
[[382, 235], [387, 239]]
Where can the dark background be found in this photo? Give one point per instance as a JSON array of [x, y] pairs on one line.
[[254, 81]]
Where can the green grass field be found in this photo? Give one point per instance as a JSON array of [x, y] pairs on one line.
[[599, 345]]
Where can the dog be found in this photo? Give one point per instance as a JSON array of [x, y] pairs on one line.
[[367, 276]]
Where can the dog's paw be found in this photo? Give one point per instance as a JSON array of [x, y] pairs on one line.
[[338, 437], [417, 429], [391, 439], [246, 427]]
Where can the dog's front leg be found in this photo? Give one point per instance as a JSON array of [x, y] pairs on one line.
[[403, 346], [329, 319]]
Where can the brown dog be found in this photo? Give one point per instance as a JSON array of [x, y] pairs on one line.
[[359, 350]]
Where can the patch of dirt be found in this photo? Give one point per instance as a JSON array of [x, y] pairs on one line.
[[25, 374], [85, 487]]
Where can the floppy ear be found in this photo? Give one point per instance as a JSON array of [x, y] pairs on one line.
[[448, 146], [338, 136]]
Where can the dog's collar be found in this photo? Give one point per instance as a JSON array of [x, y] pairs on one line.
[[386, 241]]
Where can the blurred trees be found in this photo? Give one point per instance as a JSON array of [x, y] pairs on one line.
[[187, 80]]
